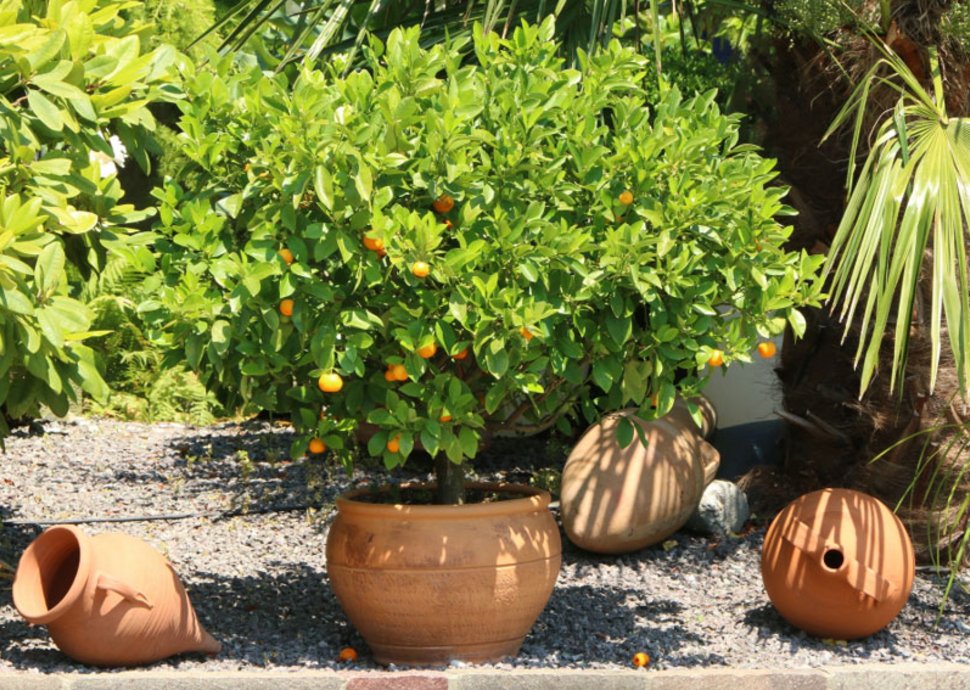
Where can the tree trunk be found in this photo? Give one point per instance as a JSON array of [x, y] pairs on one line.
[[450, 481]]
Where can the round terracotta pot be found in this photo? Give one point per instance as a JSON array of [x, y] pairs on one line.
[[107, 600], [429, 584], [618, 500], [838, 564]]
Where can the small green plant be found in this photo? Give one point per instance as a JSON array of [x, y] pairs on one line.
[[428, 253], [74, 94]]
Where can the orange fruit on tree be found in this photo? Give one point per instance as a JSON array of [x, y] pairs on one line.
[[444, 418], [374, 244], [716, 359], [389, 375], [286, 307], [348, 654], [527, 334], [330, 382], [626, 197], [428, 351], [420, 269], [394, 445], [767, 349], [317, 446], [286, 255], [461, 355], [399, 372], [443, 204], [641, 659]]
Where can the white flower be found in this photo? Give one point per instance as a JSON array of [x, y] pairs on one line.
[[109, 164], [342, 114], [120, 152]]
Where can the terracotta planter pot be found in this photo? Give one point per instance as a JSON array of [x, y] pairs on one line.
[[680, 415], [617, 500], [428, 584], [107, 600], [838, 564]]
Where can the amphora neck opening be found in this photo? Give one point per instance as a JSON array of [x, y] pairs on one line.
[[51, 574]]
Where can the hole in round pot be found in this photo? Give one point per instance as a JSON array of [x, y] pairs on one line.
[[833, 559]]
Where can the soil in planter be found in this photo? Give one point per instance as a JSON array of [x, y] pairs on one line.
[[411, 496]]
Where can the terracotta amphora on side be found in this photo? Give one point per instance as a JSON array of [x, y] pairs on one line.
[[431, 584], [107, 600], [617, 499], [838, 564]]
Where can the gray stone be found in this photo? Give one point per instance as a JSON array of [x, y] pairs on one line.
[[723, 508], [551, 679], [136, 680], [900, 677], [29, 681]]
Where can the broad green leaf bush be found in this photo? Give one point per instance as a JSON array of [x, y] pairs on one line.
[[547, 299], [74, 90]]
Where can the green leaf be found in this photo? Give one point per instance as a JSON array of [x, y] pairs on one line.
[[604, 374], [231, 204], [635, 381], [496, 358], [619, 328], [49, 268], [469, 441], [360, 318], [13, 300], [45, 110], [797, 321], [91, 381], [624, 431]]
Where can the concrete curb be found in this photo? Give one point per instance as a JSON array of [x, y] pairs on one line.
[[859, 677]]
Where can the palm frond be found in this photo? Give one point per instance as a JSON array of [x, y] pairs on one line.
[[326, 26], [911, 197]]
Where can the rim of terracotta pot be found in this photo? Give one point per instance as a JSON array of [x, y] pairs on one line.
[[28, 589], [533, 499]]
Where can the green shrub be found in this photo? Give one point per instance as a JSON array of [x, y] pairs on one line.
[[74, 86], [175, 22], [143, 386], [566, 299]]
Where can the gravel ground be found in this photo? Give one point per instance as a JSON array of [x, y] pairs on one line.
[[259, 581]]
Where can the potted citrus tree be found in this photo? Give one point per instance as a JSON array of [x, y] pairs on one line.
[[426, 253]]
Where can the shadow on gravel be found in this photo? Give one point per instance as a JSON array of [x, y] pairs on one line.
[[289, 617], [242, 468], [14, 633], [591, 623], [769, 623]]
